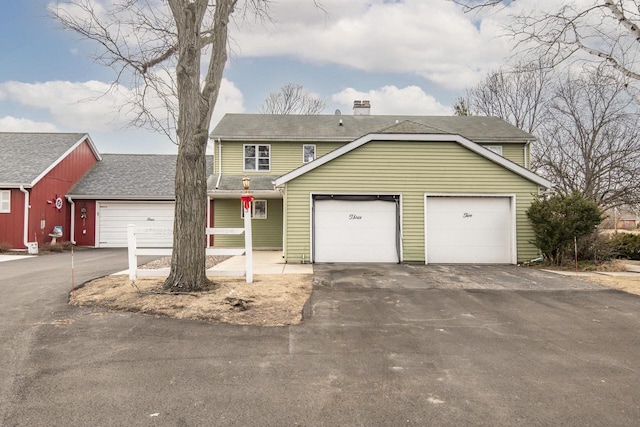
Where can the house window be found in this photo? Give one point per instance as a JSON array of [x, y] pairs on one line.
[[495, 148], [308, 153], [5, 201], [257, 158], [258, 209]]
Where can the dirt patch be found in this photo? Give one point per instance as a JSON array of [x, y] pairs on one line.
[[272, 300], [625, 283]]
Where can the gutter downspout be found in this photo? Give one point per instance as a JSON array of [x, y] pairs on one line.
[[219, 162], [25, 235], [72, 233], [527, 161]]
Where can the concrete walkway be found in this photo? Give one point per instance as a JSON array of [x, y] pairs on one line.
[[4, 258], [264, 262]]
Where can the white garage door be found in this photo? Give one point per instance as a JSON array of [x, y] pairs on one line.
[[469, 230], [114, 217], [355, 231]]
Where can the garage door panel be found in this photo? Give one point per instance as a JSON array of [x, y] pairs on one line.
[[114, 218], [355, 231], [469, 230]]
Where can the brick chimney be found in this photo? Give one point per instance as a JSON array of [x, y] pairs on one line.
[[361, 108]]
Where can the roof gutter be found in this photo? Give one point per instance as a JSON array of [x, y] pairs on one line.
[[72, 233], [25, 235]]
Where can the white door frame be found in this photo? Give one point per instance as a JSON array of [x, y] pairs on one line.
[[400, 231], [512, 206]]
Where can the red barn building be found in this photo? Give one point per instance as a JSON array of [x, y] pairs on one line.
[[38, 169]]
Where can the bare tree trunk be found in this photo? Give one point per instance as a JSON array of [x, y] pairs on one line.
[[188, 271]]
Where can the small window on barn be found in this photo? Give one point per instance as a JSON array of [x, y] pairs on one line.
[[495, 148], [5, 201]]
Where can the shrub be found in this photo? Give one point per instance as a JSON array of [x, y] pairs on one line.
[[595, 247], [5, 247], [558, 219], [626, 245]]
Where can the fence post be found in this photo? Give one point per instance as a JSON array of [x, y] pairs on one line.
[[131, 244], [248, 241]]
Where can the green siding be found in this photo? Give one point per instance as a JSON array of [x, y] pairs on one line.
[[285, 156], [513, 152], [411, 169], [267, 233]]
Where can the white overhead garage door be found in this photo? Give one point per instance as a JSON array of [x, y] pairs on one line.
[[355, 229], [469, 230], [114, 217]]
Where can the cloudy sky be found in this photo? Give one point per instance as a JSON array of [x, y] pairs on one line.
[[406, 56]]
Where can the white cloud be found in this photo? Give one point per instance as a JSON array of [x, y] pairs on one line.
[[96, 106], [410, 100], [230, 100], [432, 39], [14, 124]]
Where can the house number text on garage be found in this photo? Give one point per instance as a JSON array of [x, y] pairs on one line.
[[354, 216], [466, 215]]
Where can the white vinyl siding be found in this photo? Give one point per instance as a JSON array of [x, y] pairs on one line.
[[5, 201]]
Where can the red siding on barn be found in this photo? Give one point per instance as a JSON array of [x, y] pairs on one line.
[[44, 215], [11, 224], [85, 233]]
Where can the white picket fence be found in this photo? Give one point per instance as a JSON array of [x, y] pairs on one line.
[[134, 251]]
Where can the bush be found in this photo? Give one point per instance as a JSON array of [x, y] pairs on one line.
[[558, 219], [5, 247], [595, 247], [626, 245]]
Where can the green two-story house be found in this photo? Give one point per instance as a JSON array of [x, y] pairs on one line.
[[365, 188]]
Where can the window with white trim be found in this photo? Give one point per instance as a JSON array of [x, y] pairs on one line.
[[258, 209], [257, 158], [5, 201], [495, 148], [308, 153]]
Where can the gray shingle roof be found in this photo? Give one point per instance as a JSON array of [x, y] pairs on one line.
[[285, 127], [130, 176], [234, 183], [25, 156]]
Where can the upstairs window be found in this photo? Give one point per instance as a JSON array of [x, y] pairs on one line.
[[5, 201], [308, 153], [257, 158], [495, 148]]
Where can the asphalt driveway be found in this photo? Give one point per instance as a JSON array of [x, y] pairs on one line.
[[394, 345]]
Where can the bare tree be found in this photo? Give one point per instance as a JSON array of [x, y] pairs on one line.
[[517, 95], [607, 32], [292, 99], [591, 138], [157, 47]]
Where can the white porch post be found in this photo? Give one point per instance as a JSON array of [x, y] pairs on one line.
[[248, 241], [131, 244]]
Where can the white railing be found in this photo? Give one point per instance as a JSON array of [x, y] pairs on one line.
[[134, 251]]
